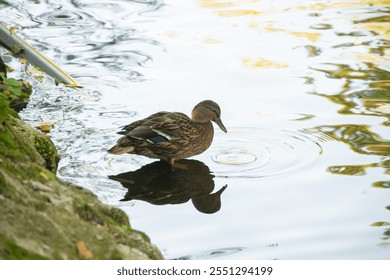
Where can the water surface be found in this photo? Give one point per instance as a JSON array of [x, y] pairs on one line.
[[304, 87]]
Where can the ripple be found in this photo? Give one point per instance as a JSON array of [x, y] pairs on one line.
[[263, 153], [235, 156], [117, 114], [213, 254], [67, 18]]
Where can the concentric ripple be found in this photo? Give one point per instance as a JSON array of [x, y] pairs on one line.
[[262, 153], [67, 18], [235, 156]]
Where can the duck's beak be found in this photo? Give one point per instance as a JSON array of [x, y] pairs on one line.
[[221, 126]]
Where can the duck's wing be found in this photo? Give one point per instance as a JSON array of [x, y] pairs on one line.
[[160, 127], [127, 128]]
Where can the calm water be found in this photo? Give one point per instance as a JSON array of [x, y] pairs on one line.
[[304, 87]]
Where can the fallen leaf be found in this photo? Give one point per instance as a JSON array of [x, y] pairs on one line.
[[83, 250], [44, 176], [44, 126]]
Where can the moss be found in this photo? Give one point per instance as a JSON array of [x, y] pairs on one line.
[[6, 143], [16, 91], [117, 215], [10, 251], [116, 255], [2, 181], [40, 206], [5, 191], [90, 214], [47, 150]]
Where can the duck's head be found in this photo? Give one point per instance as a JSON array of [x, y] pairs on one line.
[[206, 111]]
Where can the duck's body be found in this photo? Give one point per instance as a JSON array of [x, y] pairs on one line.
[[170, 136]]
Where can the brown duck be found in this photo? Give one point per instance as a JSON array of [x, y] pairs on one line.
[[171, 136]]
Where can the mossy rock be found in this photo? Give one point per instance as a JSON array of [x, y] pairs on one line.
[[29, 144], [45, 222], [44, 218]]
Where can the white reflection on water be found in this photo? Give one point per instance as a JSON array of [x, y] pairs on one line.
[[269, 64]]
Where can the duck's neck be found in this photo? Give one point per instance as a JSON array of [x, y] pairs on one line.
[[204, 136], [205, 130], [201, 121]]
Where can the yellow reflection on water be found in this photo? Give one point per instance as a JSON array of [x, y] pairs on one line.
[[380, 25], [215, 4], [210, 40], [310, 36], [335, 4], [236, 13], [262, 63], [324, 6], [368, 57]]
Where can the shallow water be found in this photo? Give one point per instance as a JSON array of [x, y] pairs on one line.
[[304, 87]]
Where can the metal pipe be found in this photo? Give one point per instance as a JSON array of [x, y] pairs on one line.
[[18, 46]]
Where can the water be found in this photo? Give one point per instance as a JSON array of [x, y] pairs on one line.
[[304, 87]]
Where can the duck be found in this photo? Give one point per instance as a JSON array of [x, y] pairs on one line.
[[170, 136]]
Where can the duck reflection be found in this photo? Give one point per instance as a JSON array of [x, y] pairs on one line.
[[159, 183]]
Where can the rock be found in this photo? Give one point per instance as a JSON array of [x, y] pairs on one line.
[[45, 218], [37, 145]]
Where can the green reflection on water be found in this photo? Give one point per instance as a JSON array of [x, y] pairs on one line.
[[365, 91], [375, 19], [382, 184], [369, 102], [363, 141], [386, 233], [359, 138], [362, 71]]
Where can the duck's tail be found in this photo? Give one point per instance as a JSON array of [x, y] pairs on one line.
[[118, 150]]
